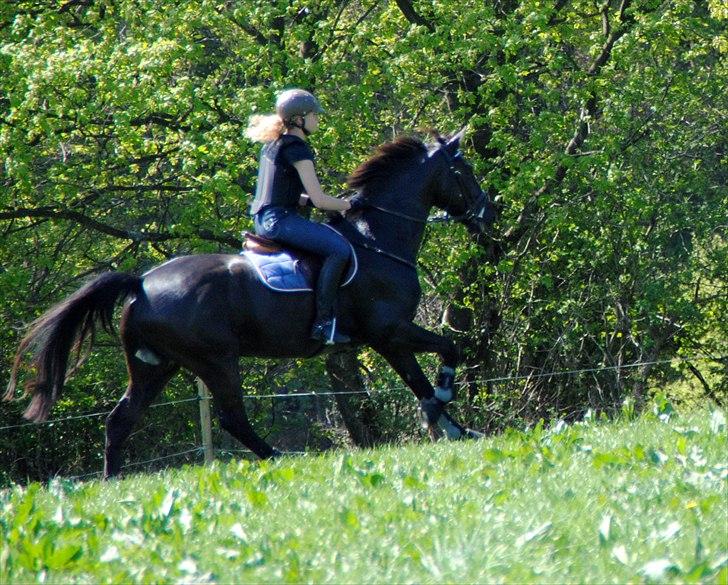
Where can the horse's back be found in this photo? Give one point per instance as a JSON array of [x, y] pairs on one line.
[[218, 298], [215, 281]]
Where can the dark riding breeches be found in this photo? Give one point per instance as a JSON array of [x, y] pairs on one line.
[[287, 227]]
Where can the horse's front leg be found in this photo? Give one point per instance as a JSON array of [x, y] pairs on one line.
[[399, 351]]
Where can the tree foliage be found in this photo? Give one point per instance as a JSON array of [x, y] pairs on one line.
[[599, 128]]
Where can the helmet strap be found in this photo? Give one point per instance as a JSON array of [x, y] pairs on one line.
[[300, 125]]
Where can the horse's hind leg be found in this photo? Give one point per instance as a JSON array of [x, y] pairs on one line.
[[146, 382], [223, 381]]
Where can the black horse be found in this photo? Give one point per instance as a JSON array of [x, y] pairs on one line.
[[202, 312]]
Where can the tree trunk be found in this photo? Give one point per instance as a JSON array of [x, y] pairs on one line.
[[343, 370]]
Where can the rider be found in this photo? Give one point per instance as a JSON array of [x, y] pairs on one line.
[[287, 180]]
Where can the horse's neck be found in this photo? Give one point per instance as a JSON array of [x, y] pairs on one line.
[[393, 231]]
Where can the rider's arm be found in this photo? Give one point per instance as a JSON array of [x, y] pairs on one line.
[[310, 181]]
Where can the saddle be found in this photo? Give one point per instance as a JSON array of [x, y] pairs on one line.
[[288, 270], [260, 244]]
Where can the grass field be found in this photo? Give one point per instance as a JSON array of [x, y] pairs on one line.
[[600, 502]]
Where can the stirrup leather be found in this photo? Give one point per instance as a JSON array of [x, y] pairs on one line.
[[326, 331]]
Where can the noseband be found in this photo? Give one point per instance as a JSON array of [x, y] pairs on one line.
[[474, 207]]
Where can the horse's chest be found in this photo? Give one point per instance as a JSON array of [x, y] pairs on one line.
[[404, 294]]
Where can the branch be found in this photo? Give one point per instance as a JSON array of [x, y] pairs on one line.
[[413, 16], [162, 119], [53, 213], [558, 5], [144, 188], [259, 37], [706, 387], [68, 5], [588, 111]]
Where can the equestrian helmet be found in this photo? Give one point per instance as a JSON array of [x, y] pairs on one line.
[[296, 102]]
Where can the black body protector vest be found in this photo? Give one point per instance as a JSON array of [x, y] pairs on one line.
[[279, 184]]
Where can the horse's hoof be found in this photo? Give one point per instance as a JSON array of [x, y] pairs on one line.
[[434, 433], [456, 432], [452, 430], [475, 435]]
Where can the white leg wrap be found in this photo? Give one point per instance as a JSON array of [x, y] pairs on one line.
[[147, 356], [444, 394], [453, 433]]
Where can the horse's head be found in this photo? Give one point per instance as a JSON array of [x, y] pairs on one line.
[[408, 174], [458, 193]]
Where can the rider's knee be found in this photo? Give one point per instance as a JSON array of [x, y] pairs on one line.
[[338, 257]]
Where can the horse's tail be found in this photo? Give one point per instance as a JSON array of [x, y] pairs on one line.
[[62, 329]]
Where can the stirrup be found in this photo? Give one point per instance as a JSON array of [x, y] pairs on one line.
[[325, 330]]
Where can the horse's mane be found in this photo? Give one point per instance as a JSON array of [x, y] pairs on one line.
[[385, 158]]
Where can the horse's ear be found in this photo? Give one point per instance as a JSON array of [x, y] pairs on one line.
[[453, 144]]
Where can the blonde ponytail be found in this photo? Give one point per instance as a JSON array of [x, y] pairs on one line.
[[265, 128]]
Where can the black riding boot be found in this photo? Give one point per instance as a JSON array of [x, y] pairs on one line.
[[324, 328]]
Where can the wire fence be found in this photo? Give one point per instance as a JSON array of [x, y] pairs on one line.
[[313, 393], [204, 399], [90, 415]]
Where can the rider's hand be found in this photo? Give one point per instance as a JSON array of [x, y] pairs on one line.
[[356, 203]]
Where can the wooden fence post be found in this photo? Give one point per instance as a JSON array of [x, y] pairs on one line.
[[205, 421]]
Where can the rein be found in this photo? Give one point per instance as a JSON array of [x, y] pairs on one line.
[[397, 213], [366, 245]]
